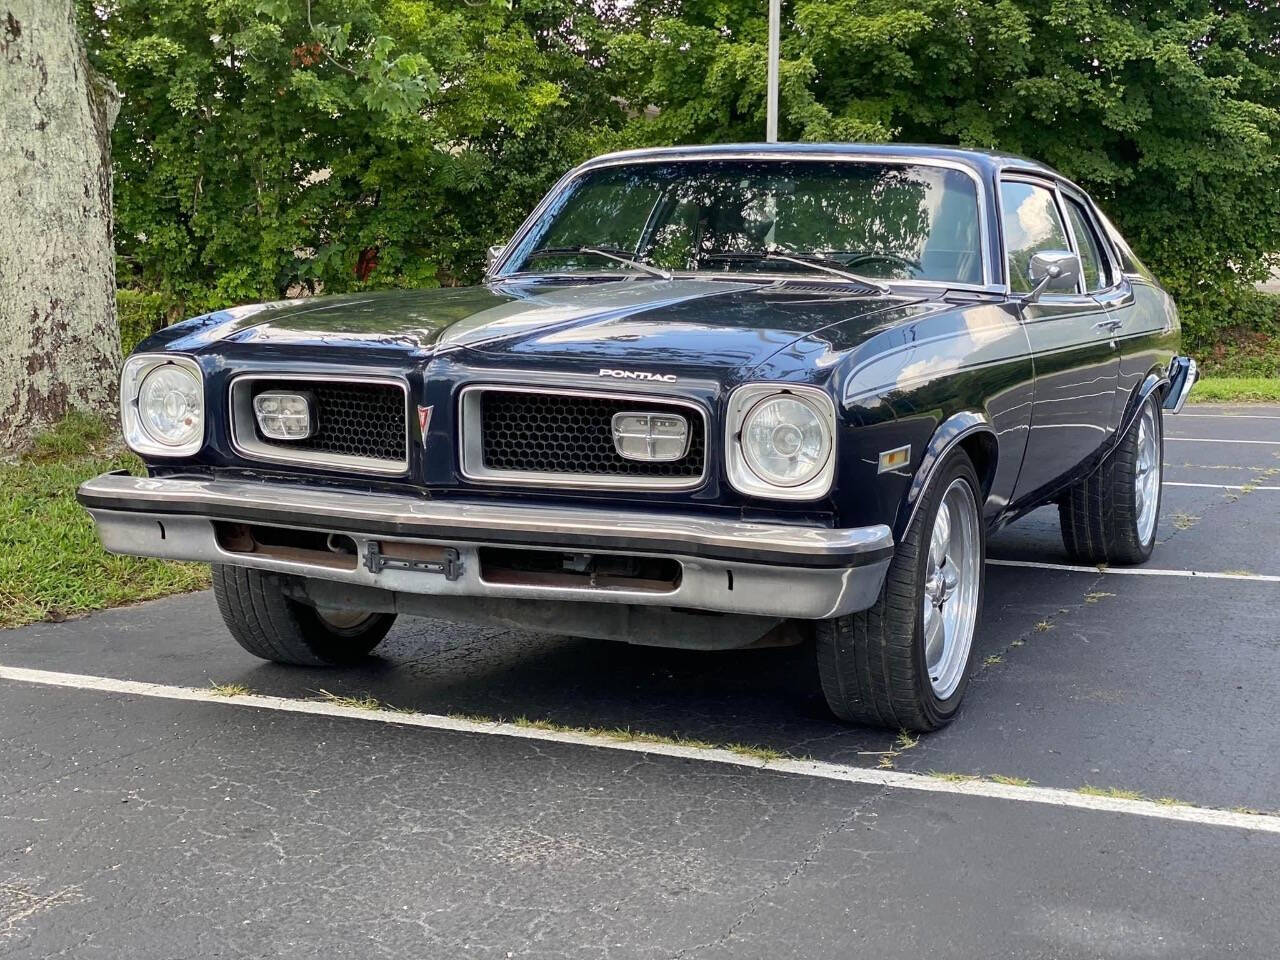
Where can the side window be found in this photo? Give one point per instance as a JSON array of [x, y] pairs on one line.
[[1031, 224], [1092, 260]]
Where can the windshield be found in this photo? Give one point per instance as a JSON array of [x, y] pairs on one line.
[[880, 220]]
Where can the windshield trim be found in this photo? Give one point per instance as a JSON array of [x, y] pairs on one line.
[[496, 270]]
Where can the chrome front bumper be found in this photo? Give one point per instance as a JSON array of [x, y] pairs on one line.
[[730, 566]]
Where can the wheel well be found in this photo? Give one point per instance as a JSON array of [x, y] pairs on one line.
[[983, 451]]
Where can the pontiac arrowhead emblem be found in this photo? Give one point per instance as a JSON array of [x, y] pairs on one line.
[[424, 421]]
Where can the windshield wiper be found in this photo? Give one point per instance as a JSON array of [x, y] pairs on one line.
[[815, 261], [618, 256]]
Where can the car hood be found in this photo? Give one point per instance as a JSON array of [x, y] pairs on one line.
[[638, 324]]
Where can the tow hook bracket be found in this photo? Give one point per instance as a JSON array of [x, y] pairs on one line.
[[445, 560]]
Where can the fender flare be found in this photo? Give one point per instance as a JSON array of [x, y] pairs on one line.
[[957, 427], [1154, 381]]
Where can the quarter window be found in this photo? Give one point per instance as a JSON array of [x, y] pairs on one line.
[[1032, 224], [1092, 260]]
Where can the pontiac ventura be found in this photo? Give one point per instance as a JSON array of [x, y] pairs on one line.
[[708, 397]]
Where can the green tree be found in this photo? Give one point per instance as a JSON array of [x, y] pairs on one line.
[[270, 145], [1167, 113]]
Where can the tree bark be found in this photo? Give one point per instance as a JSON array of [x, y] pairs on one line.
[[59, 338]]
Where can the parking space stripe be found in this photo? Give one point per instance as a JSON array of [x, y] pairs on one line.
[[1231, 416], [890, 779], [1219, 486], [1137, 571], [1265, 443]]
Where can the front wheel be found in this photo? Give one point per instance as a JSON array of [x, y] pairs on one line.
[[269, 624], [1110, 516], [905, 662]]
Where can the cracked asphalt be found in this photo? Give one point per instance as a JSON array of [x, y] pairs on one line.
[[145, 828]]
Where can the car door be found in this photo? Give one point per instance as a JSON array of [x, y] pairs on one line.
[[1071, 336], [1134, 318]]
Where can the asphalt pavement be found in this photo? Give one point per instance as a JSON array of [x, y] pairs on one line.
[[143, 827]]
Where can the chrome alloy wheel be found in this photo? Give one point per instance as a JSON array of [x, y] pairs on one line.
[[952, 574], [1146, 473]]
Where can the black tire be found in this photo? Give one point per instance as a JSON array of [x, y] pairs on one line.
[[1099, 515], [872, 664], [271, 625]]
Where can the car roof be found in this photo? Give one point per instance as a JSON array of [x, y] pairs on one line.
[[983, 162]]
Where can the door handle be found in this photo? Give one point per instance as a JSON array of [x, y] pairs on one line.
[[1109, 324]]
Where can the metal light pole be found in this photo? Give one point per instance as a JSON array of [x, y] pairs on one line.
[[775, 30]]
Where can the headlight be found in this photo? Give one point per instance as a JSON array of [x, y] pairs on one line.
[[785, 441], [162, 405], [780, 441]]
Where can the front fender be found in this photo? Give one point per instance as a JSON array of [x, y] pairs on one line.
[[969, 427]]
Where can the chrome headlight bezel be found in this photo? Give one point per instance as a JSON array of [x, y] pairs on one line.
[[137, 436], [746, 399]]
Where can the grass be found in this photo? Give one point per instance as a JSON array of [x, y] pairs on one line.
[[1096, 595], [1236, 390], [51, 564], [229, 689], [627, 735], [1184, 521], [1010, 781], [1116, 793], [953, 777], [355, 703]]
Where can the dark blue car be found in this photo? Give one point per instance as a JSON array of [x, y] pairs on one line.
[[708, 397]]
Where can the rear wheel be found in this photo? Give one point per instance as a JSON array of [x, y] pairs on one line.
[[273, 626], [1111, 515], [905, 662]]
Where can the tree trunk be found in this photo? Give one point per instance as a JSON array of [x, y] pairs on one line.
[[59, 339]]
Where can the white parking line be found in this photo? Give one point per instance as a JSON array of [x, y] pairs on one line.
[[892, 779], [1231, 416], [1266, 443], [1137, 571], [1218, 486]]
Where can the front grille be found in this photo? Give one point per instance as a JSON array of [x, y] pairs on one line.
[[358, 424], [567, 435]]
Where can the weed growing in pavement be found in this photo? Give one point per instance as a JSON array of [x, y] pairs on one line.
[[1184, 521], [1010, 781], [954, 777], [992, 660], [627, 735], [229, 689], [1115, 793], [1096, 596], [355, 703]]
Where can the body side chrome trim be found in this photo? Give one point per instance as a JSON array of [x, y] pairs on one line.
[[471, 453], [238, 409]]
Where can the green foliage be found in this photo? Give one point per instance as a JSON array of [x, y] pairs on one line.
[[1236, 390], [265, 146], [51, 563], [274, 145], [142, 314], [1166, 113]]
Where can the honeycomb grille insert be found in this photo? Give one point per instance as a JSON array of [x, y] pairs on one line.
[[573, 436], [365, 420]]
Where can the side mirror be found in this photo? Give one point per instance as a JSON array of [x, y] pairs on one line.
[[1052, 270], [491, 257]]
